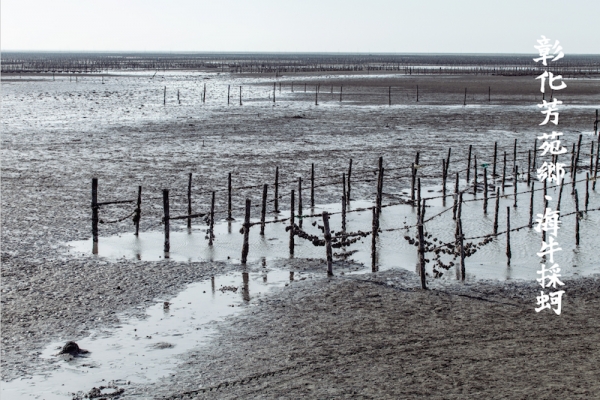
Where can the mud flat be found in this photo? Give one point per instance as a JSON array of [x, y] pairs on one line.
[[334, 336]]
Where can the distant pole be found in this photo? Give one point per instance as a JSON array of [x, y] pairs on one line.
[[417, 93], [465, 102], [189, 197], [489, 93], [389, 96], [328, 243], [165, 96], [228, 91], [240, 95], [246, 246]]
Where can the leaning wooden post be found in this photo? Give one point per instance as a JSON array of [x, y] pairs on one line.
[[469, 164], [448, 160], [504, 173], [211, 222], [292, 223], [418, 196], [276, 200], [515, 187], [246, 246], [95, 213], [592, 159], [263, 211], [461, 238], [562, 181], [380, 191], [576, 218], [596, 167], [475, 176], [138, 212], [455, 207], [444, 179], [422, 248], [531, 205], [300, 202], [312, 185], [587, 191], [515, 155], [328, 243], [344, 203], [495, 158], [374, 232], [485, 190], [189, 197], [508, 253], [533, 163], [229, 207], [166, 219], [496, 210], [528, 167], [578, 152], [349, 174], [413, 179], [165, 97]]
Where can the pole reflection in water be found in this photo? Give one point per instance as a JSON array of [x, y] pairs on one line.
[[245, 289]]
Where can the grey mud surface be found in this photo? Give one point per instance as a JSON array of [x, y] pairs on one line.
[[339, 337]]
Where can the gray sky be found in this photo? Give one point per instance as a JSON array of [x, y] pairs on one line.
[[439, 26]]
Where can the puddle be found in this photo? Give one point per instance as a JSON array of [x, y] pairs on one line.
[[393, 251], [143, 350]]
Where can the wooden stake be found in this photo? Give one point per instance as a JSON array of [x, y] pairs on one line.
[[454, 208], [344, 203], [448, 161], [246, 246], [300, 202], [489, 93], [469, 164], [316, 95], [341, 88], [240, 95], [389, 96], [528, 168], [228, 92], [421, 248], [496, 210], [189, 198], [475, 175], [562, 181], [95, 207], [504, 173], [596, 167], [328, 243], [417, 93], [461, 238], [165, 96], [211, 221], [465, 102], [375, 229], [349, 174], [276, 200], [531, 204], [312, 185], [576, 218], [292, 223], [587, 191], [229, 206], [274, 91], [444, 179], [485, 190], [263, 211], [138, 212], [533, 166], [508, 253], [495, 157], [413, 179], [515, 155], [515, 187], [167, 247]]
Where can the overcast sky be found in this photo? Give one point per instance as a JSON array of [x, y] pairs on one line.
[[438, 26]]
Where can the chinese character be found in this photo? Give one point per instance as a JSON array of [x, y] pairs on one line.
[[551, 172], [544, 50], [554, 146], [551, 80], [555, 300], [549, 248], [551, 274], [551, 111]]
